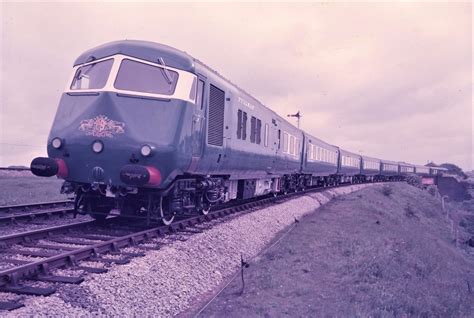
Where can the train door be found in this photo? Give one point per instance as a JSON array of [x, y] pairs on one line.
[[276, 144], [198, 120], [303, 156]]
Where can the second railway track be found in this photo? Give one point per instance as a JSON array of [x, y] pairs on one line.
[[14, 213]]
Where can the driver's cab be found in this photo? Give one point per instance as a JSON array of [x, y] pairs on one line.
[[128, 75]]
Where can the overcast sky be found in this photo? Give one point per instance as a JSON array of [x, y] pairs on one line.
[[390, 80]]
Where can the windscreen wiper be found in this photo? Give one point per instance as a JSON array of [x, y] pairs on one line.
[[83, 73], [166, 73]]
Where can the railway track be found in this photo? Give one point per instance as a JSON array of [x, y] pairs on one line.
[[14, 213], [66, 246]]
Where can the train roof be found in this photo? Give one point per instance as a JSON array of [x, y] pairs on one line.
[[438, 168], [145, 50], [406, 164], [317, 141], [421, 166], [348, 153], [389, 162], [370, 158]]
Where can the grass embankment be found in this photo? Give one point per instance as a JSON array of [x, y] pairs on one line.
[[22, 187], [385, 251]]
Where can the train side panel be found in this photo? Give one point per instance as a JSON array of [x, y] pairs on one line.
[[371, 166], [349, 163], [389, 168], [320, 158]]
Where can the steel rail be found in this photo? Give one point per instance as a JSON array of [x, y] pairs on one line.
[[29, 236], [41, 205], [13, 213]]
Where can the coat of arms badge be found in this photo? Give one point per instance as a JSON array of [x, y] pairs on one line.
[[102, 126]]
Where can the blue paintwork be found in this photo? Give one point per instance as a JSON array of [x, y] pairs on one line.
[[346, 170], [178, 130], [318, 168], [147, 121], [371, 172], [386, 172]]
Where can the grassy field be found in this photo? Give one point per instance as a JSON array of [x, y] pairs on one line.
[[23, 187]]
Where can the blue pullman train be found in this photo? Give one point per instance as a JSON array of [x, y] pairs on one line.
[[151, 131]]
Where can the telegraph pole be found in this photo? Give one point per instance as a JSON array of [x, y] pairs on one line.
[[298, 116]]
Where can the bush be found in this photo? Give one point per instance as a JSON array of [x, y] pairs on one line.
[[387, 190]]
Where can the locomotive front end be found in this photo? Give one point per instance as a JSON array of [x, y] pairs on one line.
[[120, 135]]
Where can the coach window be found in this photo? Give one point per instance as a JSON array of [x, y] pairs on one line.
[[265, 137], [258, 138], [253, 127], [244, 126], [292, 145], [279, 138], [239, 124], [285, 142]]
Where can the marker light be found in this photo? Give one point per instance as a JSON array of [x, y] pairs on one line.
[[56, 143], [146, 150], [97, 146]]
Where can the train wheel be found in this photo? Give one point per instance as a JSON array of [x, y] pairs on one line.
[[204, 210], [167, 217]]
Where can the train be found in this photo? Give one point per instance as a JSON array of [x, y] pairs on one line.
[[150, 131]]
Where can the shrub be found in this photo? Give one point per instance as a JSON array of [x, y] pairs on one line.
[[387, 190]]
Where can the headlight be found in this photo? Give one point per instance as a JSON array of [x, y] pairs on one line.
[[146, 150], [97, 146], [56, 143]]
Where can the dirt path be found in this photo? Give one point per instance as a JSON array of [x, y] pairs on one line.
[[376, 252]]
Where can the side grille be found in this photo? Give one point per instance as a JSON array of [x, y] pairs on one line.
[[215, 126]]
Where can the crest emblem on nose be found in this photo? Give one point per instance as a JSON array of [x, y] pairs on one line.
[[101, 126]]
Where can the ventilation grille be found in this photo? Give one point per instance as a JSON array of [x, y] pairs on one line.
[[215, 128]]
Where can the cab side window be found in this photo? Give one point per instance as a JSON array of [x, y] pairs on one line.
[[200, 94]]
